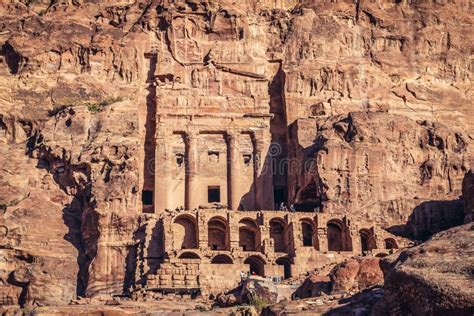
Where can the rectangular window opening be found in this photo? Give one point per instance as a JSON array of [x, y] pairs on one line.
[[147, 197], [213, 194], [279, 195]]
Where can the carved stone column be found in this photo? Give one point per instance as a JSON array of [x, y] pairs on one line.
[[322, 238], [163, 157], [234, 232], [234, 166], [192, 181]]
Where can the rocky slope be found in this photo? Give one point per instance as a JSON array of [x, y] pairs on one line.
[[383, 79], [435, 278]]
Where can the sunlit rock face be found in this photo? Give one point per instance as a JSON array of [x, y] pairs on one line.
[[375, 95]]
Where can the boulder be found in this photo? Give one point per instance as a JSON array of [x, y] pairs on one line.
[[434, 278], [356, 274], [312, 286], [254, 290]]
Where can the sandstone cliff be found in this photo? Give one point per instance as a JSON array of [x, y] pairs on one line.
[[378, 92]]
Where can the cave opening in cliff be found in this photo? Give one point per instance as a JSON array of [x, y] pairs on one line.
[[390, 243], [279, 138], [307, 198], [12, 58]]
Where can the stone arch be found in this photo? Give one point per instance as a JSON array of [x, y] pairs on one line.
[[185, 233], [307, 231], [249, 234], [367, 240], [339, 235], [257, 265], [218, 233], [308, 199], [335, 230], [222, 259], [277, 233], [390, 243], [189, 255], [286, 263]]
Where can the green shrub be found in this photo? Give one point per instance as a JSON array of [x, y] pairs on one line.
[[97, 107]]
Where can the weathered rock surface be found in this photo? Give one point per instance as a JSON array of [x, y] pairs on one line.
[[386, 88], [352, 275], [384, 168], [468, 195], [313, 286], [254, 289], [356, 274], [435, 278]]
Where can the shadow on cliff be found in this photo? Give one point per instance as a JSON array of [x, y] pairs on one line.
[[278, 151], [79, 216], [149, 142], [134, 253], [430, 217]]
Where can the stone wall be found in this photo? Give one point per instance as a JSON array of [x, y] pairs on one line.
[[191, 259]]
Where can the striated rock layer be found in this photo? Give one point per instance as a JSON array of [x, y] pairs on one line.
[[377, 93]]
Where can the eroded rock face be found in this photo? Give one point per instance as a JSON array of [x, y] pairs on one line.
[[78, 104], [356, 274], [432, 279], [383, 167], [314, 285], [468, 195]]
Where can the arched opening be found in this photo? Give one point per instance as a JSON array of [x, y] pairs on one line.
[[307, 229], [277, 233], [334, 233], [189, 255], [218, 233], [222, 259], [367, 240], [257, 265], [285, 262], [249, 235], [381, 255], [185, 232], [390, 243], [307, 198]]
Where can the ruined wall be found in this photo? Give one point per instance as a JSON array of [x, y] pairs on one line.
[[82, 83]]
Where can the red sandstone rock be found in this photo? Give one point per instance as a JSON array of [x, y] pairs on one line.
[[434, 278], [81, 83], [356, 274], [468, 195], [314, 285]]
